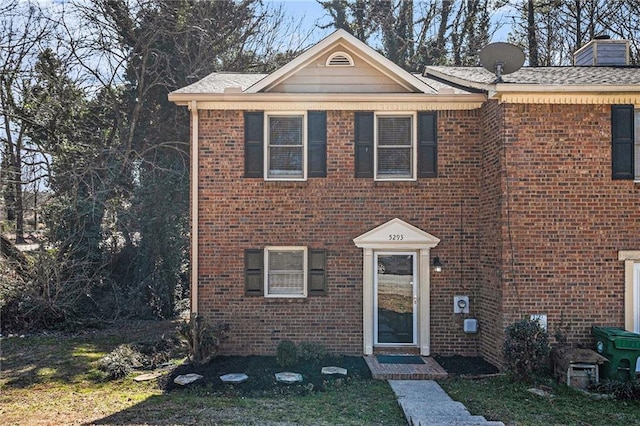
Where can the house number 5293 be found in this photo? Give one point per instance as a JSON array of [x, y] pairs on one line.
[[396, 237]]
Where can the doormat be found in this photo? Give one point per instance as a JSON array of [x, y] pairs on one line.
[[399, 359]]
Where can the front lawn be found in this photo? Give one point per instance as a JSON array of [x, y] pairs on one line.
[[53, 379], [497, 398]]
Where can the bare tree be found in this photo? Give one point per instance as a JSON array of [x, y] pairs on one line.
[[23, 33]]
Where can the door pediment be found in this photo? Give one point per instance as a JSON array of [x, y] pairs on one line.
[[396, 234]]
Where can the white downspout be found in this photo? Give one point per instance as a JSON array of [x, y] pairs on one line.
[[193, 107]]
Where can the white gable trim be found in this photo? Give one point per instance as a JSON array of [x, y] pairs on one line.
[[396, 234], [342, 38]]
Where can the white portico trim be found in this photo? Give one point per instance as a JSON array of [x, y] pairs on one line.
[[396, 235]]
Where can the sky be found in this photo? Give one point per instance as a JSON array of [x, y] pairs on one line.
[[310, 13]]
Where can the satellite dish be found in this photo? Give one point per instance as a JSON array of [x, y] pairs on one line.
[[501, 58]]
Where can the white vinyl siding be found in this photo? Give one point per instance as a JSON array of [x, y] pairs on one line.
[[286, 146], [319, 78], [395, 147], [286, 272]]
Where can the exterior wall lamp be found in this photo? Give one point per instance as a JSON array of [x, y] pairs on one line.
[[437, 266]]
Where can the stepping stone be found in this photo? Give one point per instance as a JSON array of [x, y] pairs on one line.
[[148, 376], [185, 379], [334, 370], [234, 378], [288, 377]]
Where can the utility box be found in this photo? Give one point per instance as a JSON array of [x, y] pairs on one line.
[[621, 348], [582, 375], [576, 367]]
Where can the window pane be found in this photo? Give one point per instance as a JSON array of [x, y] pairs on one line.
[[286, 272], [285, 130], [394, 162], [394, 147], [286, 150], [394, 131], [286, 161]]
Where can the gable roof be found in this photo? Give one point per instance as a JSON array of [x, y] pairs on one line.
[[350, 44], [369, 81]]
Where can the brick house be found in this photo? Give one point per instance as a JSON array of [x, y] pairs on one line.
[[345, 201]]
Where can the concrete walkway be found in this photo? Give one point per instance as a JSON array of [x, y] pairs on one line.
[[425, 403]]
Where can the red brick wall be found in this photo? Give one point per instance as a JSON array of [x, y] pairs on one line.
[[563, 219], [528, 216], [238, 213], [490, 228]]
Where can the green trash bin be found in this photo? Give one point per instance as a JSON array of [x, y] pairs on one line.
[[621, 348]]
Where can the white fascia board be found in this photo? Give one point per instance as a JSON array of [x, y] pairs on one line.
[[332, 101], [554, 88]]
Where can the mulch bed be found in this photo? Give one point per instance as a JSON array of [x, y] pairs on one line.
[[261, 371], [262, 382], [457, 365]]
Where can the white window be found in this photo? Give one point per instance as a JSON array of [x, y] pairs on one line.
[[636, 147], [286, 138], [395, 147], [285, 272]]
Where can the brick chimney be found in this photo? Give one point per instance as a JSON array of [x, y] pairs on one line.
[[602, 51]]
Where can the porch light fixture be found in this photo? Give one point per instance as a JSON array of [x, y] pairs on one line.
[[437, 266]]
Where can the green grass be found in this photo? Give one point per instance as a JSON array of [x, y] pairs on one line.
[[497, 398], [55, 380]]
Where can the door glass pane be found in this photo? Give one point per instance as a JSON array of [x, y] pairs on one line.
[[395, 291]]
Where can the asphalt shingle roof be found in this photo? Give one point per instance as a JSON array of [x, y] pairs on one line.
[[547, 75], [217, 82]]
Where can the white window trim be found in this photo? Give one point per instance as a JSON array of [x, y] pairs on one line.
[[414, 145], [303, 114], [304, 271]]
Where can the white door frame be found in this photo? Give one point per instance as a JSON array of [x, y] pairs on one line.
[[414, 297], [396, 236], [631, 260], [636, 294]]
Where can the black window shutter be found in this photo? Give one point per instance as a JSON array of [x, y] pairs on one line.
[[253, 272], [622, 142], [427, 144], [317, 143], [317, 279], [253, 144], [364, 144]]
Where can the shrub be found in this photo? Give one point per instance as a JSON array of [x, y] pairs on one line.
[[203, 339], [312, 351], [629, 390], [119, 362], [286, 354], [526, 350]]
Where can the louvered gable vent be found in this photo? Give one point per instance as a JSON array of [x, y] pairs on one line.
[[339, 59]]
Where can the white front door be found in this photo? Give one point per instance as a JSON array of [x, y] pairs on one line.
[[395, 303]]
